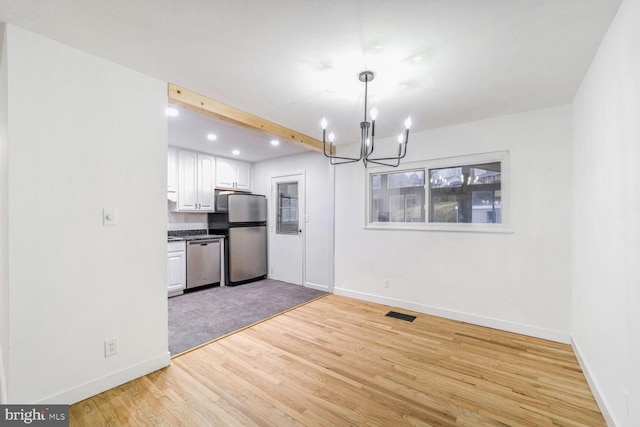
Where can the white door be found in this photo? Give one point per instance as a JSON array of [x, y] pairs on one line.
[[286, 256]]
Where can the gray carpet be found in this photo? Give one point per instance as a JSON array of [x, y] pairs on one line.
[[201, 316]]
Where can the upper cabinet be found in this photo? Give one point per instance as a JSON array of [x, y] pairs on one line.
[[196, 181], [172, 174], [233, 174], [193, 177]]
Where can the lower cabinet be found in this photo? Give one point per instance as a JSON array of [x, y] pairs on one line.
[[176, 268]]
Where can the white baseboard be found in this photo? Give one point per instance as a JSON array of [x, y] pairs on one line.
[[311, 285], [518, 328], [593, 384], [97, 386]]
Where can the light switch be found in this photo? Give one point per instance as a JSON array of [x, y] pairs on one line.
[[109, 216], [306, 218]]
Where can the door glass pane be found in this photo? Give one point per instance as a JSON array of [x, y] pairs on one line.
[[287, 221]]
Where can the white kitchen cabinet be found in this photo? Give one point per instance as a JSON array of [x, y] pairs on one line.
[[176, 268], [243, 176], [233, 174], [172, 173], [196, 181]]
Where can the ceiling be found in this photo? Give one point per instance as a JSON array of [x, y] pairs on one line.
[[292, 62], [189, 129]]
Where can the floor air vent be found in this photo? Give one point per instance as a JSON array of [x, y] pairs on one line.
[[401, 316]]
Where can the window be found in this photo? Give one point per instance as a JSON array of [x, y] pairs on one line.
[[466, 193], [397, 196]]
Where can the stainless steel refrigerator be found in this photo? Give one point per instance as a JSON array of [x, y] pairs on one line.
[[245, 225]]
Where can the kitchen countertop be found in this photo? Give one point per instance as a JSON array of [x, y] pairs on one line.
[[194, 237], [185, 235]]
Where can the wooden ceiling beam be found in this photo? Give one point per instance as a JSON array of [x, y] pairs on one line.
[[213, 108]]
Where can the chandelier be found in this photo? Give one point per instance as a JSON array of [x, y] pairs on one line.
[[366, 143]]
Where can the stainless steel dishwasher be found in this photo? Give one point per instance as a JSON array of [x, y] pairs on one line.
[[203, 262]]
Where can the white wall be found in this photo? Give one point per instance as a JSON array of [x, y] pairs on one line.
[[4, 225], [517, 281], [319, 208], [84, 134], [606, 217]]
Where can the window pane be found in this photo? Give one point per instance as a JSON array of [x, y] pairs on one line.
[[397, 196], [405, 179], [287, 221], [444, 208], [375, 182], [413, 208], [466, 194]]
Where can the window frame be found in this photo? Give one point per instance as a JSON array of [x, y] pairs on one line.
[[445, 162]]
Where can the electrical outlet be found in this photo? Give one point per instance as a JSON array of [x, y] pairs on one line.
[[387, 283], [111, 347]]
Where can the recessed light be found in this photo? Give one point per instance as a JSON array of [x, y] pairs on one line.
[[235, 152], [275, 142], [171, 112], [212, 137]]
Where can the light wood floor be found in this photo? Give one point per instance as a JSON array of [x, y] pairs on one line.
[[339, 361]]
